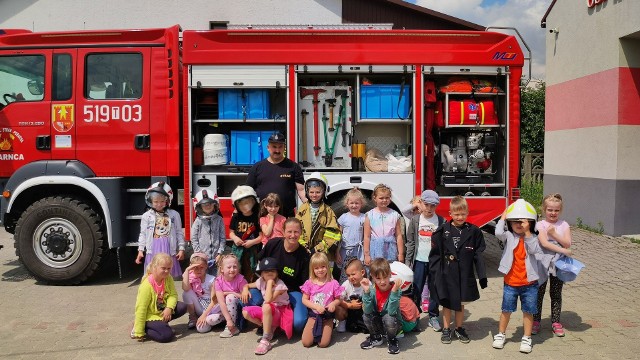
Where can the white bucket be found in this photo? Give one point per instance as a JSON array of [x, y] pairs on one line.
[[215, 149], [215, 141], [215, 157]]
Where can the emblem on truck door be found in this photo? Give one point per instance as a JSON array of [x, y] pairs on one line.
[[62, 117]]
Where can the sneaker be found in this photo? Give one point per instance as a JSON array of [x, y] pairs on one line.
[[435, 323], [226, 333], [461, 334], [558, 330], [342, 326], [525, 345], [263, 347], [192, 323], [536, 328], [394, 346], [371, 341], [445, 338], [424, 306], [498, 340]]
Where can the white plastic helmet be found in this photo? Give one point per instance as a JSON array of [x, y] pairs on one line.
[[316, 179], [402, 271], [521, 209], [161, 188], [242, 192], [205, 197]]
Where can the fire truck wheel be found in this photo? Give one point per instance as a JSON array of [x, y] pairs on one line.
[[59, 240]]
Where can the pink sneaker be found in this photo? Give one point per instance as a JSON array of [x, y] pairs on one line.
[[263, 347], [536, 328], [425, 305], [558, 330]]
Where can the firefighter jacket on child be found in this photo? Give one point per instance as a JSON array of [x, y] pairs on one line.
[[323, 234]]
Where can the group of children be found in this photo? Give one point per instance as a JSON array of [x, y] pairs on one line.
[[446, 259]]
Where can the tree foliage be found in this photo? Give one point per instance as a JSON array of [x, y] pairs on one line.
[[532, 118]]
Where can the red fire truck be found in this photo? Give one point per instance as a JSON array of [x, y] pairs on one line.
[[89, 119]]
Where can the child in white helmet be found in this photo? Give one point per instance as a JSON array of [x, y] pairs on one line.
[[521, 269], [245, 230], [160, 228], [320, 231], [207, 231]]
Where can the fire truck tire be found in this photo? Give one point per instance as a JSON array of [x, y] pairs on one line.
[[60, 240]]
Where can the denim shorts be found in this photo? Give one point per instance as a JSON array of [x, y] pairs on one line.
[[528, 298]]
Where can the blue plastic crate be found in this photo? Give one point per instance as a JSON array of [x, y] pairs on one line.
[[232, 103], [249, 147], [381, 102]]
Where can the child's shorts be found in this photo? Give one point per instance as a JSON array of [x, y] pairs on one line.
[[256, 312], [528, 297]]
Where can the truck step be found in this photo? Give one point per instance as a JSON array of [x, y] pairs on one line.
[[136, 190], [132, 244], [134, 217]]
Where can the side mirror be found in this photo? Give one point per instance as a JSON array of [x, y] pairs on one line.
[[35, 87]]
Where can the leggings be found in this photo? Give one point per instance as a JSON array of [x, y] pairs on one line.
[[555, 293], [159, 330], [234, 306]]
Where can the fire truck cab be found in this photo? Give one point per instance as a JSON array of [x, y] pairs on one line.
[[87, 120]]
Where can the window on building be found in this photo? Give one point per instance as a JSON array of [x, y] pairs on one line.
[[113, 76], [21, 78], [62, 77]]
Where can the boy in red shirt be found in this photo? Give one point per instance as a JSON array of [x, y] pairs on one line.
[[381, 306]]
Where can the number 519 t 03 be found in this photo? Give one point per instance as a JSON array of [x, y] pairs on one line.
[[106, 113]]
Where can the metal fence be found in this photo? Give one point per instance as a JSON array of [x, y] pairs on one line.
[[532, 165]]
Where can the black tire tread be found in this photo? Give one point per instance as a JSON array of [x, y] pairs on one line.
[[92, 219]]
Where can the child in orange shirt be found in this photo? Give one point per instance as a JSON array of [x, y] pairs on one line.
[[520, 267]]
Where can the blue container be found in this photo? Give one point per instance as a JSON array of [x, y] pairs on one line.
[[381, 102], [243, 103], [249, 147]]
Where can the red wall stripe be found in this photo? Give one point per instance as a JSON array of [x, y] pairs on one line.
[[610, 97]]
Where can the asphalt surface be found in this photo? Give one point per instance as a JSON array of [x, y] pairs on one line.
[[92, 321]]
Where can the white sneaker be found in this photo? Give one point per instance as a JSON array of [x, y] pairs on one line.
[[342, 326], [498, 340], [525, 344]]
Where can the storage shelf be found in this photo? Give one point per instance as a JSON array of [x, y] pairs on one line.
[[238, 121], [477, 93], [473, 126], [492, 185], [384, 121]]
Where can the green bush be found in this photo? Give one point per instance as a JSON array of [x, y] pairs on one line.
[[532, 190]]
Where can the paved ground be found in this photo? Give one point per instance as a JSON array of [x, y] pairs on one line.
[[600, 312]]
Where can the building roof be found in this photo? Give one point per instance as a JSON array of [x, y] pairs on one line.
[[402, 14]]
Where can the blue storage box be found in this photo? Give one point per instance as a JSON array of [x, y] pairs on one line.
[[381, 102], [243, 103], [249, 147]]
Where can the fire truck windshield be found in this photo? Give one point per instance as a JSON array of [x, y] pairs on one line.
[[21, 78]]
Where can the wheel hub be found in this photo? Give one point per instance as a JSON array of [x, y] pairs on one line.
[[57, 241]]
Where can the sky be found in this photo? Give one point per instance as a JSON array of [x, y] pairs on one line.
[[524, 15]]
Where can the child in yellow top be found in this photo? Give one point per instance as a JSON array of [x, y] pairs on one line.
[[157, 302]]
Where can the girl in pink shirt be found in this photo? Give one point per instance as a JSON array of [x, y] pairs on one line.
[[228, 289], [321, 294], [271, 220], [555, 238]]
